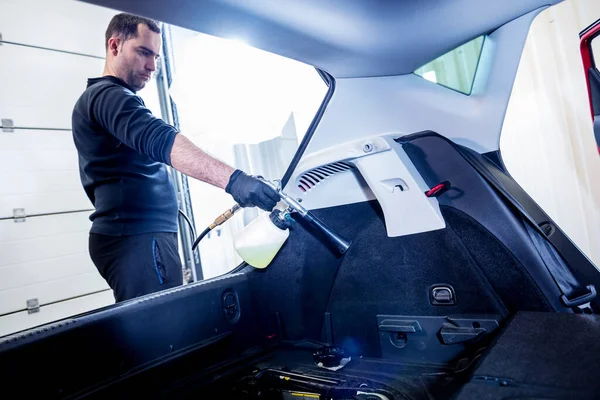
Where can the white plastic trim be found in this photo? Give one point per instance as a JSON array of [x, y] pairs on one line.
[[385, 173]]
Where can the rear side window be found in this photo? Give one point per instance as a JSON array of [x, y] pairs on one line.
[[455, 69], [247, 107]]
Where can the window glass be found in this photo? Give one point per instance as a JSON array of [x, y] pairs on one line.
[[455, 69], [247, 107]]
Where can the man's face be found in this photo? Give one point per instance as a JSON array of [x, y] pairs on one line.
[[136, 58]]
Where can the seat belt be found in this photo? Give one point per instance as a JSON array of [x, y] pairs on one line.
[[574, 294]]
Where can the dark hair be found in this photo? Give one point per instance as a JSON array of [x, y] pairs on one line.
[[125, 26]]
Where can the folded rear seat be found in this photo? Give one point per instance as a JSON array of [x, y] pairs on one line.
[[437, 160], [540, 356]]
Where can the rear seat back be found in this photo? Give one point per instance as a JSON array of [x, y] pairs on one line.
[[485, 254], [437, 161]]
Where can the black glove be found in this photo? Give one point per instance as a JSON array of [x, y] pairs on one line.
[[248, 191]]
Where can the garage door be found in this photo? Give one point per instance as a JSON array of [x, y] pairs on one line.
[[48, 50]]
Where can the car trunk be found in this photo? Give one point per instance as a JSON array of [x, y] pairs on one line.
[[470, 310]]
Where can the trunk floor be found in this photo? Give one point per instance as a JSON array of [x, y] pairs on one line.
[[287, 372]]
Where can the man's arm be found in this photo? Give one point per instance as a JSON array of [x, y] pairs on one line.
[[123, 115], [246, 190], [189, 159]]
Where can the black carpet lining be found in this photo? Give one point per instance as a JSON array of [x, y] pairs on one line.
[[382, 275], [539, 355], [509, 278]]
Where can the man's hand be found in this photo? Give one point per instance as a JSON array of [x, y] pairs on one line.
[[249, 191]]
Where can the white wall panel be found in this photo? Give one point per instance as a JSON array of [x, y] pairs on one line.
[[48, 269], [39, 182], [45, 258], [40, 87], [547, 140], [54, 237], [41, 248], [53, 312], [59, 160], [51, 291], [39, 172], [46, 226], [55, 202], [58, 24], [28, 141]]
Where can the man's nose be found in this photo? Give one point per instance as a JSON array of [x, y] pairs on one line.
[[151, 65]]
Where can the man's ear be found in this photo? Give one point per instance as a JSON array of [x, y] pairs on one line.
[[113, 45]]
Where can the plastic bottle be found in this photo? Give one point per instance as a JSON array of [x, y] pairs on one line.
[[260, 241]]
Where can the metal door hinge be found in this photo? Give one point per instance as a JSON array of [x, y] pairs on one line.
[[8, 125], [19, 215], [33, 306]]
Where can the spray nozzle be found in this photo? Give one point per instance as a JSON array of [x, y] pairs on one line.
[[282, 219], [340, 244]]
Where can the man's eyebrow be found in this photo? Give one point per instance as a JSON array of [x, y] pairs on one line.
[[148, 50]]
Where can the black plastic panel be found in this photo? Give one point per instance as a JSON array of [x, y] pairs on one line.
[[597, 129], [438, 340], [594, 76], [95, 349]]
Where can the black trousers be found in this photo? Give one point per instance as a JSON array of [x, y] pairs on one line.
[[138, 264]]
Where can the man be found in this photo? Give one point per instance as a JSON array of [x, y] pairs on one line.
[[123, 150]]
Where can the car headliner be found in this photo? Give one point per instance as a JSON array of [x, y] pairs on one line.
[[346, 38]]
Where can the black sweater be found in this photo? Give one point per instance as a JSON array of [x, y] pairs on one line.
[[123, 150]]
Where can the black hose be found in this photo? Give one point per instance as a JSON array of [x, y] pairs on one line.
[[204, 233], [189, 223], [218, 221]]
